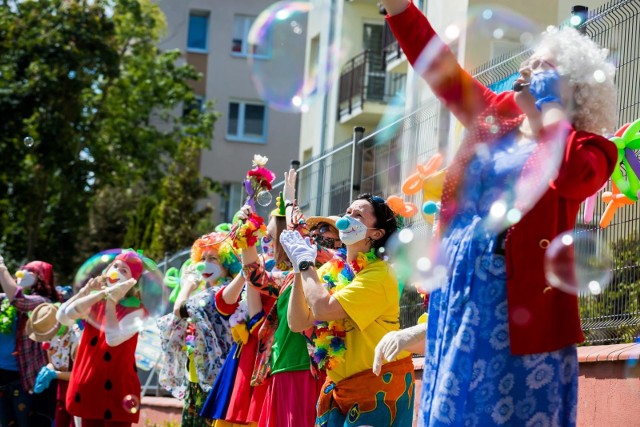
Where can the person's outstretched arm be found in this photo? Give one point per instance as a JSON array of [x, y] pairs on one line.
[[411, 339], [299, 314], [394, 7], [7, 283], [464, 96]]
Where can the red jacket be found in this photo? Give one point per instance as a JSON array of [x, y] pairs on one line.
[[541, 318]]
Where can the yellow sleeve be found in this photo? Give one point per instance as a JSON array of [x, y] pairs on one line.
[[367, 297]]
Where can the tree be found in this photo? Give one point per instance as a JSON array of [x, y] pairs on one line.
[[87, 82], [176, 220]]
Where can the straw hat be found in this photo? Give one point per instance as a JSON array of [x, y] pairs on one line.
[[312, 221], [42, 325]]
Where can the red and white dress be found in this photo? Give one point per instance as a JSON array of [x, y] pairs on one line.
[[104, 381]]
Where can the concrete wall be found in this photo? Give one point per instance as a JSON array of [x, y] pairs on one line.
[[608, 385], [228, 77], [608, 389]]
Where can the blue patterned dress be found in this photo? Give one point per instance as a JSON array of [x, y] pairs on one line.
[[470, 376]]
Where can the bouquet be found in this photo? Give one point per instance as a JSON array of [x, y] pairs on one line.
[[258, 184]]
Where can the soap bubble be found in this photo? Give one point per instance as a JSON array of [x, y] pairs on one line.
[[413, 257], [149, 293], [264, 198], [131, 404], [29, 142], [578, 263], [501, 199], [277, 41]]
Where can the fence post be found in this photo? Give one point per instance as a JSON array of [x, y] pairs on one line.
[[356, 161], [581, 12], [295, 164]]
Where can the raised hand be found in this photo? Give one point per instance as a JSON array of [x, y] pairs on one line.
[[298, 249], [244, 213], [289, 191], [118, 291]]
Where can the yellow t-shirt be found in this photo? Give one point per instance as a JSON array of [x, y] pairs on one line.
[[372, 302]]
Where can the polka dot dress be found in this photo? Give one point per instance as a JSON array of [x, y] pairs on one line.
[[104, 378]]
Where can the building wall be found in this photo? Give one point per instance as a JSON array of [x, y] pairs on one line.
[[228, 77], [357, 13], [320, 129], [313, 128]]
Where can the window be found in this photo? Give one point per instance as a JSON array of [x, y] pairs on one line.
[[198, 31], [240, 41], [376, 73], [234, 199], [196, 105], [246, 122]]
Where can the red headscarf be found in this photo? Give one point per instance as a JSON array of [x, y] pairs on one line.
[[42, 270], [44, 273], [134, 262]]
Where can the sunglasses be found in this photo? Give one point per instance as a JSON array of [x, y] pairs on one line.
[[321, 228]]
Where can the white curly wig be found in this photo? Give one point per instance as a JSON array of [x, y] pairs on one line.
[[590, 75]]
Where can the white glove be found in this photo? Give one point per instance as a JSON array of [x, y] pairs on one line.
[[297, 248], [394, 342], [289, 191]]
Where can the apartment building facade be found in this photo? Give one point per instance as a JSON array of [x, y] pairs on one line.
[[213, 36]]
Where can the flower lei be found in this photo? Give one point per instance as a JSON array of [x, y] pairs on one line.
[[7, 316], [190, 339], [329, 341], [247, 233]]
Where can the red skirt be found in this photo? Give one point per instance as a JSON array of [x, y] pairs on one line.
[[291, 400]]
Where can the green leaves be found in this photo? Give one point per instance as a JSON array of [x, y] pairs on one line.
[[88, 83]]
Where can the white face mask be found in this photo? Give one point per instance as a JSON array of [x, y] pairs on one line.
[[26, 279], [212, 271], [114, 276], [355, 232]]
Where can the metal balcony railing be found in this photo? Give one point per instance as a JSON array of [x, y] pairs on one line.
[[363, 79], [390, 46]]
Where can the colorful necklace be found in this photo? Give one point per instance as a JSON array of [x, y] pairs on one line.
[[329, 341], [7, 316]]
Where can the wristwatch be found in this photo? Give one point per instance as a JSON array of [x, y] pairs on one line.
[[304, 265]]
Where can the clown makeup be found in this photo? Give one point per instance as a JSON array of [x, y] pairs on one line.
[[118, 273], [212, 268]]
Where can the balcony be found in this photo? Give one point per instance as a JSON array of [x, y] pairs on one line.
[[394, 59], [366, 88]]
